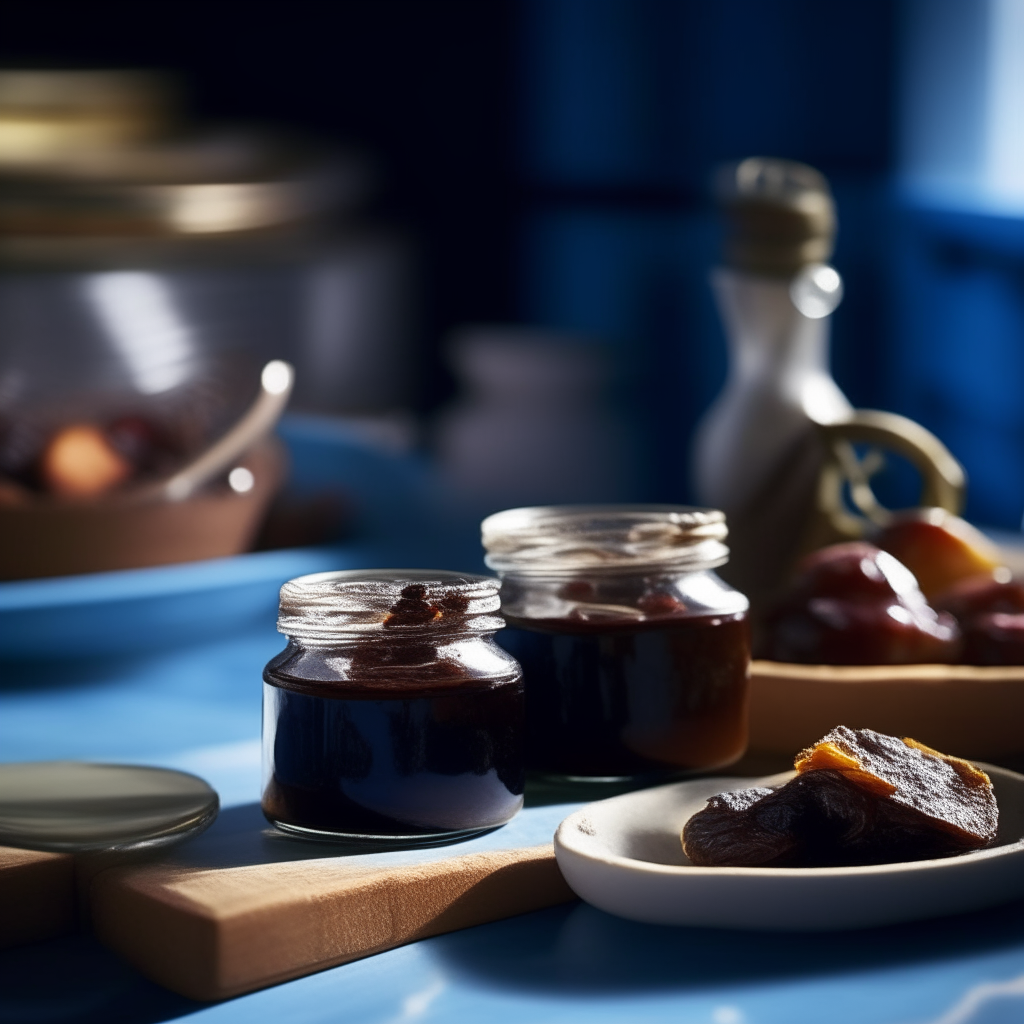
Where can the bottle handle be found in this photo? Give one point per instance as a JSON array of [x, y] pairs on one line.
[[944, 482]]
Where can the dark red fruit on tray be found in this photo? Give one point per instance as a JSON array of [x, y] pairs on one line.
[[137, 440], [981, 595], [853, 604], [994, 639], [991, 616]]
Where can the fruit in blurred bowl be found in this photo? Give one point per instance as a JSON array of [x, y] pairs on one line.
[[80, 462]]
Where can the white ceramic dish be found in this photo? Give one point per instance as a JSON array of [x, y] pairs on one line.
[[624, 855]]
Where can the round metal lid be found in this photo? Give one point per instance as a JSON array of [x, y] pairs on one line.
[[74, 806]]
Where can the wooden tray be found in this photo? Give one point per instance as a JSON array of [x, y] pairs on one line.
[[964, 710]]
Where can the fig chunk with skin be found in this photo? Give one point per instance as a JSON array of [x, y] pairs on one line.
[[853, 604], [859, 797]]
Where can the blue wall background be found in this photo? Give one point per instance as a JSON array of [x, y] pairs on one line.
[[628, 105], [552, 158]]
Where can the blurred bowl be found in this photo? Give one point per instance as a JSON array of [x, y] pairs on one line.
[[44, 536]]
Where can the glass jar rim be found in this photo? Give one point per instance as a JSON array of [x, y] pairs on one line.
[[557, 539], [388, 603]]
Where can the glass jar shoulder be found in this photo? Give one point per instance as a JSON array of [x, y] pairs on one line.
[[375, 665], [602, 602]]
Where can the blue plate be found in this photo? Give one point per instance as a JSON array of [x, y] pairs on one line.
[[148, 609]]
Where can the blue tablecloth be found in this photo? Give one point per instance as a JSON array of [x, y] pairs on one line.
[[198, 707]]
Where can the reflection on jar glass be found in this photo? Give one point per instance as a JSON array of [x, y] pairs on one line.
[[391, 714], [635, 654]]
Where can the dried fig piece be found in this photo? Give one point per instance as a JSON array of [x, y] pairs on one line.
[[860, 797]]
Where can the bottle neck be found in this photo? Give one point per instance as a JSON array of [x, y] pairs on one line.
[[767, 334]]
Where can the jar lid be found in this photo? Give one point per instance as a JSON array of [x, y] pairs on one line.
[[74, 806], [553, 539], [388, 602]]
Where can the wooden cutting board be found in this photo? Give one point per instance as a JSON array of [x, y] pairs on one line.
[[37, 896], [242, 906]]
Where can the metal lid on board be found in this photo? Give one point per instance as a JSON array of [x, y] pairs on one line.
[[74, 806]]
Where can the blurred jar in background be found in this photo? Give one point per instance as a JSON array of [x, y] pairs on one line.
[[535, 423], [149, 266]]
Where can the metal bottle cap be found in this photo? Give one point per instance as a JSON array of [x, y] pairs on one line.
[[781, 216]]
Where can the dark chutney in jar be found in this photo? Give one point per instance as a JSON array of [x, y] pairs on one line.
[[418, 736], [627, 698]]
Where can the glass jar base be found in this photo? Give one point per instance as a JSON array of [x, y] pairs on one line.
[[554, 787], [379, 841]]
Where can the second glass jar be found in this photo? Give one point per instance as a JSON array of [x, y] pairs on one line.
[[635, 654]]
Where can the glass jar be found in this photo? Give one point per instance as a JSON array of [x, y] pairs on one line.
[[391, 715], [635, 654]]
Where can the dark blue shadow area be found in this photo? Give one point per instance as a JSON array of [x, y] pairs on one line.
[[627, 106], [578, 950], [74, 980], [958, 366], [68, 673], [241, 836]]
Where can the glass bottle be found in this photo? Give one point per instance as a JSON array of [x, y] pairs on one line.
[[757, 454], [635, 654], [391, 714]]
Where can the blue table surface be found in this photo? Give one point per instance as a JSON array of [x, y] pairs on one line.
[[198, 707]]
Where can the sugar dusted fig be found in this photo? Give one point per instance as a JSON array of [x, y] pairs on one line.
[[859, 797], [852, 604]]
